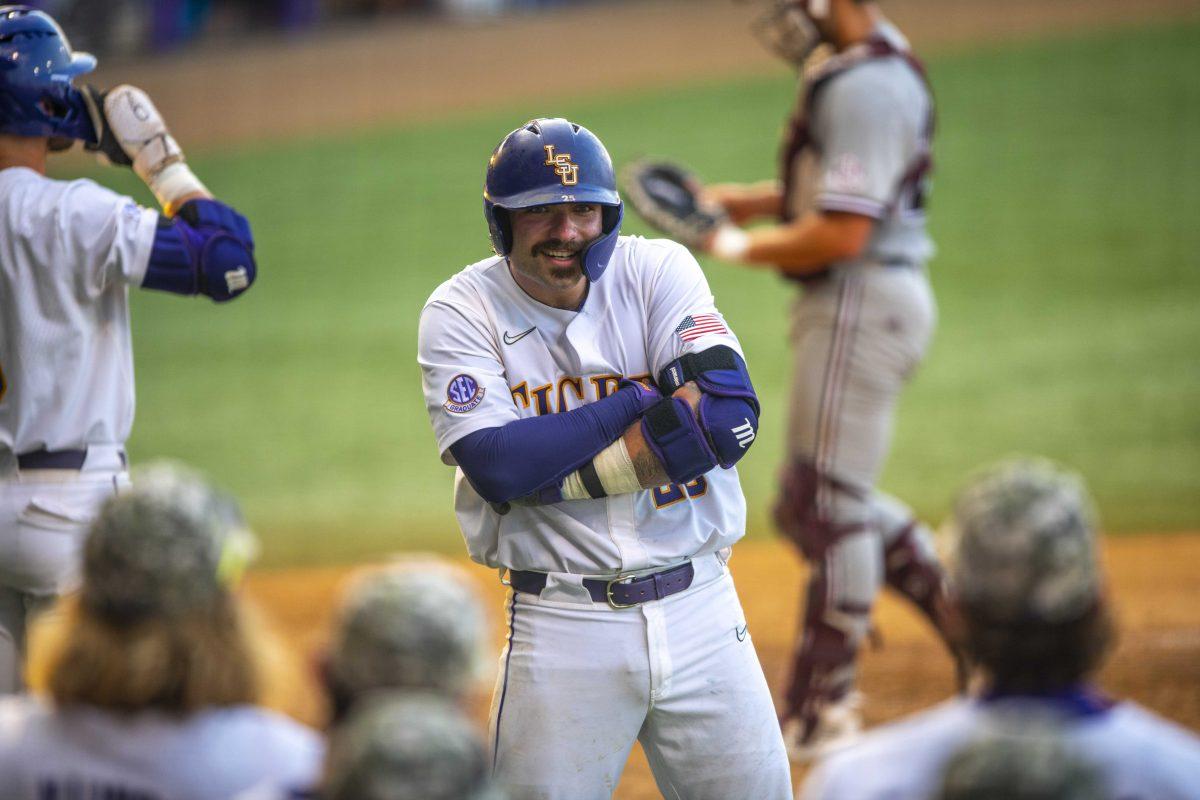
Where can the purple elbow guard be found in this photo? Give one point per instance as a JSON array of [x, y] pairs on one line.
[[675, 437], [206, 249], [718, 370], [729, 409], [731, 424]]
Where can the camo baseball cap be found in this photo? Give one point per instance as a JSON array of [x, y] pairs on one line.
[[1021, 758], [1026, 544], [416, 625], [165, 547], [407, 746]]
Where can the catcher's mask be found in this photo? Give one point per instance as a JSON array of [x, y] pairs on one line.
[[37, 67], [786, 28], [547, 162]]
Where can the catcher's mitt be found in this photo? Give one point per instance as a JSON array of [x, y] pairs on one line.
[[671, 199]]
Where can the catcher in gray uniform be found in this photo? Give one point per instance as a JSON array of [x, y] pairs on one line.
[[850, 228]]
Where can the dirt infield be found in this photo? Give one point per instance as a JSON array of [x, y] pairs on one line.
[[405, 70], [1152, 581]]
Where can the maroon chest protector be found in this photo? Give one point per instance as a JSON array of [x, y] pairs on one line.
[[799, 135]]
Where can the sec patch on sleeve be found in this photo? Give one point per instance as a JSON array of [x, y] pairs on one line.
[[463, 393]]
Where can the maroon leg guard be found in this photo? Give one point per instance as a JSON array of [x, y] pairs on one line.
[[823, 664], [796, 513], [916, 574]]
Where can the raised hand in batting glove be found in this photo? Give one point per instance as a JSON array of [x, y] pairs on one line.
[[131, 132], [107, 148], [672, 199]]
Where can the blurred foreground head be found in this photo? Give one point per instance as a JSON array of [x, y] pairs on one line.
[[1027, 578], [170, 547], [407, 746], [416, 625], [155, 624], [1021, 759]]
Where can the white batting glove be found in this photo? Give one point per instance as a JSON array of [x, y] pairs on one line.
[[141, 134]]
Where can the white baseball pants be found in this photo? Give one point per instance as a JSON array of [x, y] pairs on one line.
[[44, 518], [579, 682]]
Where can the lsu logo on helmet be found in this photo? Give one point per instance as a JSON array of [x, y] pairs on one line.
[[567, 172]]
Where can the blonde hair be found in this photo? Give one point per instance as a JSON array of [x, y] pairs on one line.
[[179, 665], [224, 656]]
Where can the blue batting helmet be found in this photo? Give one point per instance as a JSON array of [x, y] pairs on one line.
[[549, 161], [37, 66]]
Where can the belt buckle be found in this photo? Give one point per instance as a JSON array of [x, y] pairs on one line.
[[624, 577]]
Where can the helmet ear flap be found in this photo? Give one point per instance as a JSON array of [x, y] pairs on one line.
[[610, 217], [597, 254], [499, 228]]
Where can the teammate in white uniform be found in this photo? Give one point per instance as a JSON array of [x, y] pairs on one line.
[[597, 494], [851, 229], [69, 250], [153, 667], [1028, 584]]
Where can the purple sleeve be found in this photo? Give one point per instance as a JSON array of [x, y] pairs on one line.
[[525, 455]]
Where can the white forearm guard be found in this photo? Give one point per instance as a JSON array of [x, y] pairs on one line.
[[143, 135]]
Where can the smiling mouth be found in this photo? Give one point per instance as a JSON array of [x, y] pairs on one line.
[[558, 254]]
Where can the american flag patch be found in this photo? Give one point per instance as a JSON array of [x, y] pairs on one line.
[[696, 325]]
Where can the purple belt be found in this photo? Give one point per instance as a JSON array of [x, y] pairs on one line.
[[622, 591], [54, 459]]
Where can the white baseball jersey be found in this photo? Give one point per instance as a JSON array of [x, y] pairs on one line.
[[1140, 755], [211, 755], [68, 252], [490, 354]]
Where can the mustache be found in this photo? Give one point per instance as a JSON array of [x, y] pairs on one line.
[[574, 247]]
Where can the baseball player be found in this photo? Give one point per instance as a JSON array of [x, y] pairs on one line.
[[153, 667], [407, 746], [850, 212], [595, 402], [1028, 587], [417, 626], [69, 250]]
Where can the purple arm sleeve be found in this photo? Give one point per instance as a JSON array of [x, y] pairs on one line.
[[525, 455]]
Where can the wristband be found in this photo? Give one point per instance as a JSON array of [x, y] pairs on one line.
[[615, 469], [612, 469], [731, 243], [173, 183]]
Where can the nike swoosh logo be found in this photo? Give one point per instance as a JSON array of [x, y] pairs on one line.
[[741, 633], [509, 339]]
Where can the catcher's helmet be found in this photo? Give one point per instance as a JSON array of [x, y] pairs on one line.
[[37, 66], [786, 28], [550, 161]]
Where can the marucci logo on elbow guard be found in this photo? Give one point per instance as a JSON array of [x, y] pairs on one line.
[[237, 279], [745, 434]]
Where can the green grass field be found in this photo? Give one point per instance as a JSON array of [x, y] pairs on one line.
[[1066, 209]]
